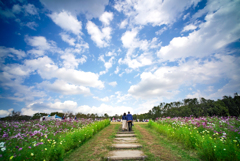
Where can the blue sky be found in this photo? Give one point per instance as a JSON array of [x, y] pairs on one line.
[[101, 56]]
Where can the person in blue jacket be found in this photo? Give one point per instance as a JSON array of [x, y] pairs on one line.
[[129, 121], [124, 122]]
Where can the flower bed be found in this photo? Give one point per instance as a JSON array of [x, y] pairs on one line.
[[215, 138], [46, 140]]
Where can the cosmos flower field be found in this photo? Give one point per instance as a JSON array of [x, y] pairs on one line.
[[45, 140], [214, 138]]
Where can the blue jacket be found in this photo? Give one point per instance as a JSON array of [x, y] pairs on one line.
[[124, 117], [129, 117]]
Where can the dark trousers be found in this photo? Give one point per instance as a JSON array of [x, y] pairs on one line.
[[130, 126]]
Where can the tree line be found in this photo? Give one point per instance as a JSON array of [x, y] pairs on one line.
[[227, 106]]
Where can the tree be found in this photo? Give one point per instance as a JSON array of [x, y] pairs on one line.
[[15, 113], [106, 115]]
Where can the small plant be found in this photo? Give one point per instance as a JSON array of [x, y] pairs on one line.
[[215, 138], [47, 140]]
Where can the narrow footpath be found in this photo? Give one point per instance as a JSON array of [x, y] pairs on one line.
[[126, 147]]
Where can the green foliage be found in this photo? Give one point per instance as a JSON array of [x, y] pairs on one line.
[[228, 106], [208, 145], [52, 147]]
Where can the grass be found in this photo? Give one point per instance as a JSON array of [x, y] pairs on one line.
[[135, 123], [157, 147], [204, 142], [97, 147]]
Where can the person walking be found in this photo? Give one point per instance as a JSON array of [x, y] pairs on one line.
[[124, 122], [129, 121]]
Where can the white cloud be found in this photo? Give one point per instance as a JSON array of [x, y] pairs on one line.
[[64, 88], [166, 81], [32, 25], [159, 32], [111, 53], [67, 22], [154, 12], [107, 64], [104, 108], [70, 62], [46, 68], [185, 16], [220, 29], [105, 99], [117, 70], [4, 113], [189, 27], [122, 97], [9, 51], [39, 42], [30, 9], [91, 8], [65, 37], [41, 45], [142, 60], [113, 83], [106, 18], [75, 108], [123, 24], [101, 38]]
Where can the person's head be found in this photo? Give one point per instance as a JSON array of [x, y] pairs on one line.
[[124, 114], [128, 112]]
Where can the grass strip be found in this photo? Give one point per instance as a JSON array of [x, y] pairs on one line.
[[97, 147], [156, 147]]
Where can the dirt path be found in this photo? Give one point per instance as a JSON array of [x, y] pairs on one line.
[[156, 149], [96, 148]]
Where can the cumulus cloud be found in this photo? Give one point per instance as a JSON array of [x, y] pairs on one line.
[[142, 60], [41, 45], [101, 38], [39, 42], [30, 9], [46, 68], [105, 99], [67, 22], [166, 81], [104, 108], [64, 88], [106, 18], [11, 52], [70, 62], [159, 32], [221, 28], [154, 12], [117, 70], [4, 113], [189, 28], [123, 24], [107, 64], [75, 108], [65, 37]]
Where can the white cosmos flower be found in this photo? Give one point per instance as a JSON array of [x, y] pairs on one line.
[[2, 144]]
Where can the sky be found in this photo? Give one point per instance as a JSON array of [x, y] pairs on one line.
[[105, 56]]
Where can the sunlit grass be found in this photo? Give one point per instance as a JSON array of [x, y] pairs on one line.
[[210, 144]]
